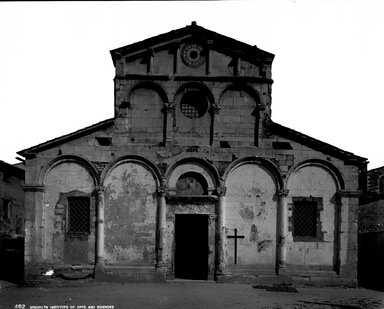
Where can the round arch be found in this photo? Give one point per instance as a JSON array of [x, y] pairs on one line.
[[267, 164], [329, 167], [209, 168], [149, 85], [196, 86], [253, 93], [70, 159], [135, 159]]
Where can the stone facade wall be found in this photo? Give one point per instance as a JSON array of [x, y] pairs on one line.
[[154, 140], [130, 215]]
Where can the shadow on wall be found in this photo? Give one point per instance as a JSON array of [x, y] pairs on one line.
[[371, 260]]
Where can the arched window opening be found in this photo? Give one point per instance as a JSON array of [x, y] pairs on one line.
[[193, 104], [191, 184]]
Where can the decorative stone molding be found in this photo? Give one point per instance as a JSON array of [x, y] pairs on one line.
[[192, 209]]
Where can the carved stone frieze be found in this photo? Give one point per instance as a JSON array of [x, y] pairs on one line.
[[191, 209]]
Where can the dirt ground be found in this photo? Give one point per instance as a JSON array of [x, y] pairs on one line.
[[180, 294]]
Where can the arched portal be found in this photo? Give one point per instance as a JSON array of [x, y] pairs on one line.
[[191, 219]]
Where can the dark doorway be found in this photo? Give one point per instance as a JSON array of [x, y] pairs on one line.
[[191, 252]]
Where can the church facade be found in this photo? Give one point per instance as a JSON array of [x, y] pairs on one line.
[[191, 178]]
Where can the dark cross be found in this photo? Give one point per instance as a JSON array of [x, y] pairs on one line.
[[235, 237]]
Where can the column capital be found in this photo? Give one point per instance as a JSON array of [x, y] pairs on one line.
[[283, 193], [221, 190], [215, 109], [162, 189], [169, 108], [100, 189]]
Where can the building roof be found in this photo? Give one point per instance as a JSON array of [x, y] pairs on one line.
[[10, 169], [315, 144], [219, 42], [66, 138], [273, 128]]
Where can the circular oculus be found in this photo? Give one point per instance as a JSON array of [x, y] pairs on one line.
[[192, 55]]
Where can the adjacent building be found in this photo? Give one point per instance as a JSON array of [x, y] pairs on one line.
[[11, 222]]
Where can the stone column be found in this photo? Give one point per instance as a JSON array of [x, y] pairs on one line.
[[100, 229], [161, 263], [220, 235], [282, 230]]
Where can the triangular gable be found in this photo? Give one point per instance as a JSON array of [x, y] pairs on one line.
[[67, 138], [219, 42]]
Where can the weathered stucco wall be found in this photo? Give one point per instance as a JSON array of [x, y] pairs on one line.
[[250, 207], [314, 181], [130, 215], [62, 180]]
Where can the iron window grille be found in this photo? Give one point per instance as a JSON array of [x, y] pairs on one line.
[[306, 224], [78, 216], [193, 104]]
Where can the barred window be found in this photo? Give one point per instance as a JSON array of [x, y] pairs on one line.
[[78, 215], [193, 104], [306, 225]]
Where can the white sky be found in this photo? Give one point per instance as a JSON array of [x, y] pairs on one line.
[[56, 73]]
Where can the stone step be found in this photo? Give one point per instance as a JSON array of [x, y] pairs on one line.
[[250, 270], [258, 280], [129, 273]]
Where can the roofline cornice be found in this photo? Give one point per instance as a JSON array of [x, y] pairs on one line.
[[250, 79]]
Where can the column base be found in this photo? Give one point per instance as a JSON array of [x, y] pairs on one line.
[[282, 270]]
